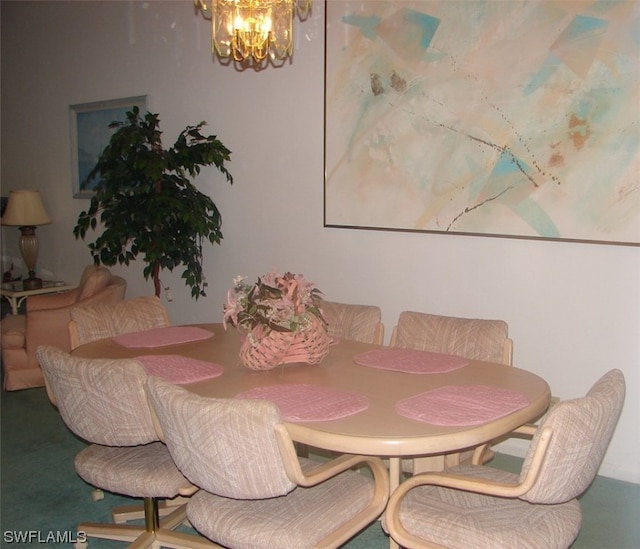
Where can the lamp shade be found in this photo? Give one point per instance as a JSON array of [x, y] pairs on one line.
[[25, 208]]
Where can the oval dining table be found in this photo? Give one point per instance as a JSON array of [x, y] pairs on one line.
[[379, 427]]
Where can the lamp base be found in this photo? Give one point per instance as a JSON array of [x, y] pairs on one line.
[[31, 283], [29, 248]]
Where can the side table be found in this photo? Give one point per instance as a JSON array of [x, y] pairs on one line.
[[13, 293]]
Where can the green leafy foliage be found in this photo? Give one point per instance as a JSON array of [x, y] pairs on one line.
[[147, 204]]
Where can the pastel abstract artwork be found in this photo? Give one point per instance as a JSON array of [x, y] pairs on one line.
[[517, 118]]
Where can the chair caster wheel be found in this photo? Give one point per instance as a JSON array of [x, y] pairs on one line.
[[97, 495]]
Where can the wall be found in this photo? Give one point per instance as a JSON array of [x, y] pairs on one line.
[[573, 309]]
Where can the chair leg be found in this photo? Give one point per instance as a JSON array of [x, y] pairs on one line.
[[174, 519], [165, 535], [125, 513], [179, 540], [151, 517], [147, 540], [139, 536], [155, 533], [116, 532]]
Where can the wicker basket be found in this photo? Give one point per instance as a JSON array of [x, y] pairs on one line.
[[264, 352]]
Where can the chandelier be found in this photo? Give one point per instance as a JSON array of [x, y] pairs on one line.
[[253, 30]]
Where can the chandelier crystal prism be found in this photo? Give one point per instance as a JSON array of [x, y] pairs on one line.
[[253, 30]]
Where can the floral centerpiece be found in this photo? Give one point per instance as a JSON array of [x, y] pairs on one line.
[[282, 320]]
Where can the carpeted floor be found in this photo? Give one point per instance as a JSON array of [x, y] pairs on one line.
[[42, 496]]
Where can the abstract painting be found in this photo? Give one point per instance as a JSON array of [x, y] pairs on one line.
[[494, 118]]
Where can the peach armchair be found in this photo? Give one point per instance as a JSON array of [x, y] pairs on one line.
[[46, 322]]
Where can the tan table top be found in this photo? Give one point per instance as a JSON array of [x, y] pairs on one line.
[[379, 430]]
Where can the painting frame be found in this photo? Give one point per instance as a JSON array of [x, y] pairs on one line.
[[554, 203], [90, 134]]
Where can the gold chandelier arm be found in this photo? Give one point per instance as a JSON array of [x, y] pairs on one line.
[[303, 8], [201, 5]]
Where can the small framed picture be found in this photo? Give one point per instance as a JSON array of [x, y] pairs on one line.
[[90, 134]]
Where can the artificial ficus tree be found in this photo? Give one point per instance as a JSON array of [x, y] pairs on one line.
[[146, 203]]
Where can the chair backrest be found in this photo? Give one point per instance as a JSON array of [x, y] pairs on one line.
[[101, 400], [226, 446], [93, 279], [354, 322], [581, 431], [475, 339], [89, 323]]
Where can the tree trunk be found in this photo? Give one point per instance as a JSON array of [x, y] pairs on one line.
[[156, 279], [157, 147]]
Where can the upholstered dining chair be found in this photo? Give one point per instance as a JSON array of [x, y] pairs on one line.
[[477, 506], [255, 492], [354, 322], [350, 321], [101, 321], [475, 339], [103, 401]]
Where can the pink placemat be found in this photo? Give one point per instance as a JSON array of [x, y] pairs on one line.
[[462, 405], [310, 402], [161, 337], [410, 361], [179, 369]]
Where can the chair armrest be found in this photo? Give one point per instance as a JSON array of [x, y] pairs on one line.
[[326, 470], [334, 467], [188, 490], [455, 481], [527, 430], [331, 468], [51, 301], [392, 522], [48, 327]]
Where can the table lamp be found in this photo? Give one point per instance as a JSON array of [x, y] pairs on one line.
[[26, 211]]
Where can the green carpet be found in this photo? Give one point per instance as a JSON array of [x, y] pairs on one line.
[[42, 496]]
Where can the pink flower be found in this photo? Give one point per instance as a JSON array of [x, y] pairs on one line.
[[284, 303], [230, 309]]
